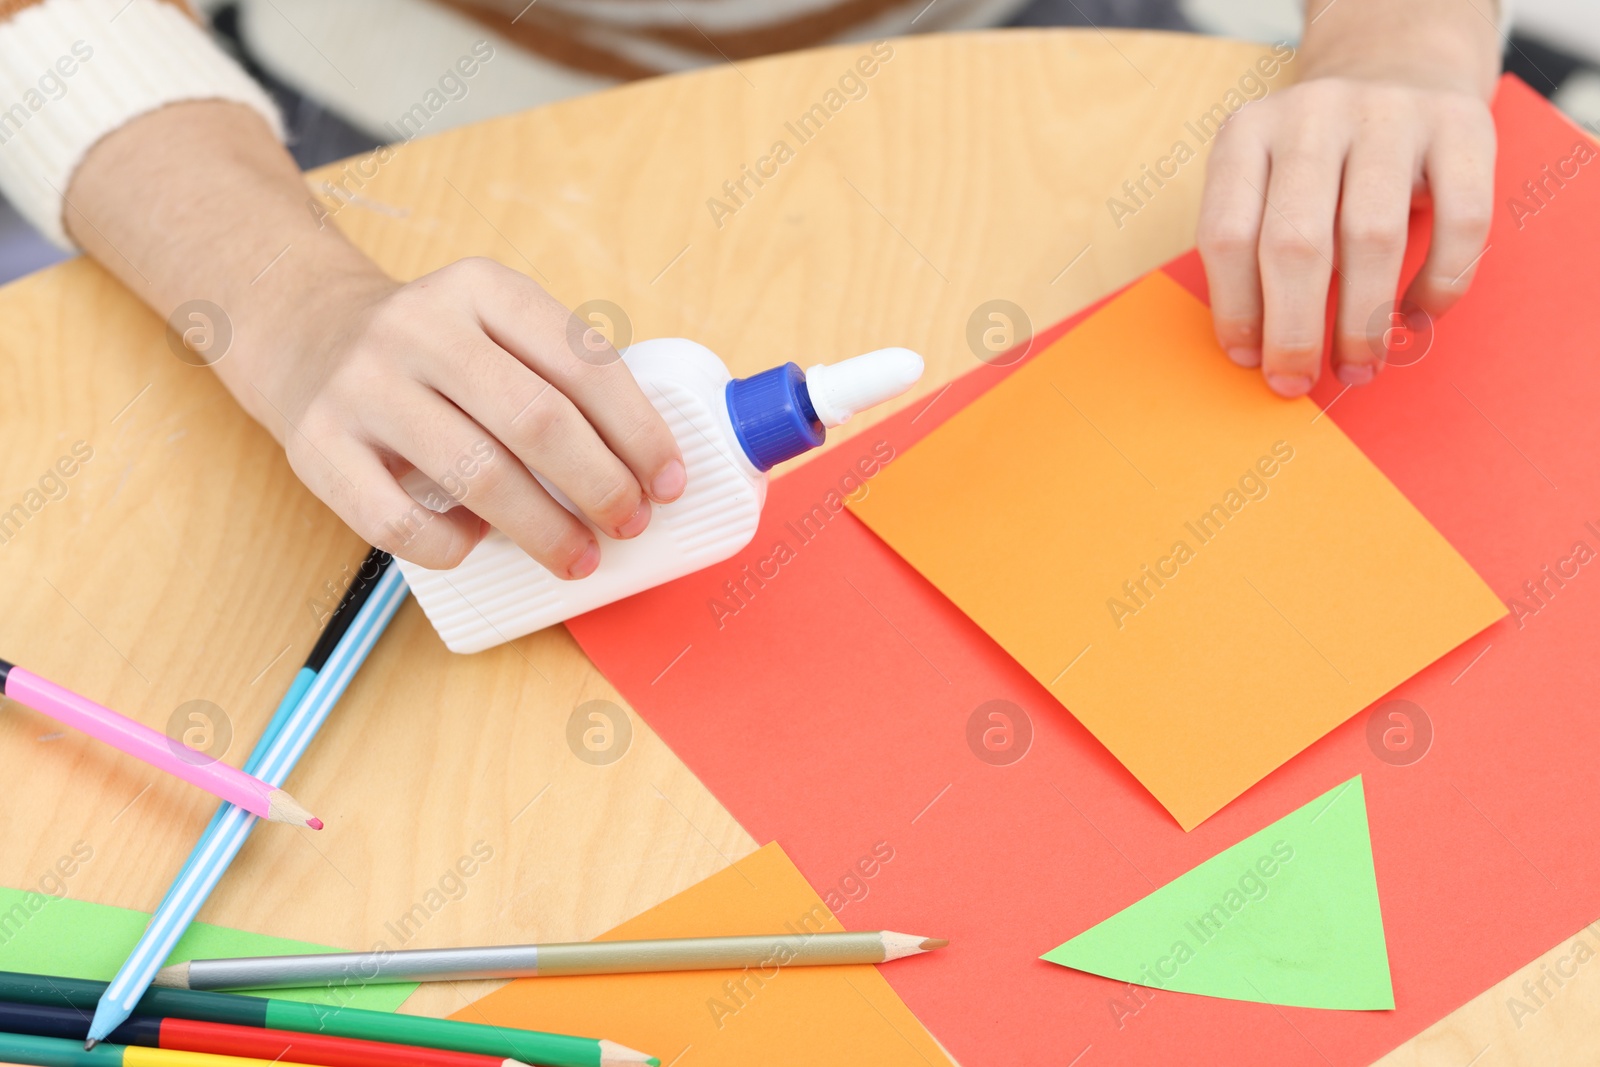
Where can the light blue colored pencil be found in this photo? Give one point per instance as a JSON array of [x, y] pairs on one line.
[[338, 624], [232, 826]]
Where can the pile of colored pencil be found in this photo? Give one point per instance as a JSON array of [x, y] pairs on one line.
[[43, 1021]]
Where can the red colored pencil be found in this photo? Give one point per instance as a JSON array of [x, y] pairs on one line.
[[225, 1039], [145, 1032]]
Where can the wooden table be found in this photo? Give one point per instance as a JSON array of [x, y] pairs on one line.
[[185, 562]]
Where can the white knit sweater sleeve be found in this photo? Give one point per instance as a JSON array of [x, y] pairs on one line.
[[72, 71]]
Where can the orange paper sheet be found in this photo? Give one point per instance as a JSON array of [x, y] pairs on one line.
[[1209, 577], [781, 1016]]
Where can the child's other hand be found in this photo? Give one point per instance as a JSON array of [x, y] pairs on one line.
[[475, 376], [1320, 177]]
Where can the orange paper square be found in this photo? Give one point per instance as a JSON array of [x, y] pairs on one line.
[[1210, 577]]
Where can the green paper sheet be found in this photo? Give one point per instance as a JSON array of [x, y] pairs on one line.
[[1287, 916], [42, 934]]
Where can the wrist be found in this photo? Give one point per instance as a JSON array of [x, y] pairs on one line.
[[1471, 79], [285, 333], [1444, 46]]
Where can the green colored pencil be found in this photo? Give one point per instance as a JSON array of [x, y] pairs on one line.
[[532, 1046], [57, 1052]]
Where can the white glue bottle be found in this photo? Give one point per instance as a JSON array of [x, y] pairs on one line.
[[732, 431]]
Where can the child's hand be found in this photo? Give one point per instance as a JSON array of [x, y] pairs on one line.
[[1319, 178], [475, 376]]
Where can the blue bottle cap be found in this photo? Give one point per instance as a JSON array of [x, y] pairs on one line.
[[772, 415]]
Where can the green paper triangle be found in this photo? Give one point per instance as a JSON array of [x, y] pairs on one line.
[[1308, 934]]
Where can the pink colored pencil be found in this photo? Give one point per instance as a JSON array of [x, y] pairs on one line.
[[153, 747]]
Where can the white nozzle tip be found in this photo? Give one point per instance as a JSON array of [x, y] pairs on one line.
[[839, 390]]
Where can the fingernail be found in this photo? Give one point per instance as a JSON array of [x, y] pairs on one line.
[[668, 485], [635, 525], [1245, 357], [1355, 373], [1290, 385], [586, 563]]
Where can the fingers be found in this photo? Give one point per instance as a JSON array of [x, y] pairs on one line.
[[1459, 165], [467, 374], [536, 328], [1296, 251], [1230, 229], [1339, 152], [480, 473], [1373, 213], [350, 478], [545, 431]]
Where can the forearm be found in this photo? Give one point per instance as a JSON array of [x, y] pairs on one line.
[[1431, 44], [198, 200]]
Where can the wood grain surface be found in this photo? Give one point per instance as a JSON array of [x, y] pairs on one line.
[[184, 562]]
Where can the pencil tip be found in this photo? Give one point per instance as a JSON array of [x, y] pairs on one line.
[[88, 1046], [281, 807], [930, 943], [615, 1055]]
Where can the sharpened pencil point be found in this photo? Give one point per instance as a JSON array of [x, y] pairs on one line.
[[88, 1046], [899, 946], [281, 807], [615, 1055]]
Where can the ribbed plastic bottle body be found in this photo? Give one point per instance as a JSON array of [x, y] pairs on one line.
[[499, 593]]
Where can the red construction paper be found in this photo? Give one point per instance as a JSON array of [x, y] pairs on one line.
[[842, 702]]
